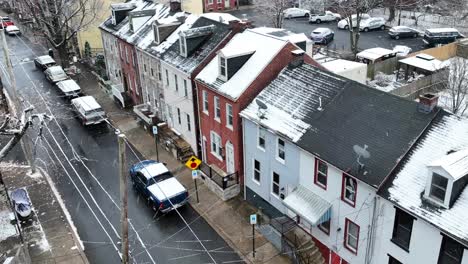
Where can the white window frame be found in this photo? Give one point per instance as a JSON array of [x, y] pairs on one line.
[[259, 129], [189, 125], [176, 82], [354, 192], [221, 67], [126, 54], [179, 117], [217, 109], [210, 2], [259, 171], [167, 78], [215, 138], [273, 183], [185, 88], [206, 104], [349, 246], [282, 160], [435, 198], [136, 86], [159, 72], [183, 46], [220, 1], [231, 115]]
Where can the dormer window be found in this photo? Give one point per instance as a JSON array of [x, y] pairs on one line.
[[183, 46], [438, 187], [223, 67], [231, 60]]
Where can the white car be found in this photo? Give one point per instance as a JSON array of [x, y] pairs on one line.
[[55, 74], [344, 23], [295, 12], [402, 51], [69, 88], [88, 110], [372, 23], [12, 30], [324, 17]]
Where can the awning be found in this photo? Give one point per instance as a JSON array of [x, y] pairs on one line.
[[308, 205]]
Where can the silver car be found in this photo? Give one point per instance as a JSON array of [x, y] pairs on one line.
[[55, 74], [322, 35]]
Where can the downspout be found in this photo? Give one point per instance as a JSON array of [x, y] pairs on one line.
[[243, 153], [371, 232]]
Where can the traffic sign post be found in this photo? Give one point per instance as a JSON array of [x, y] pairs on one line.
[[155, 133], [253, 222], [193, 163], [194, 177]]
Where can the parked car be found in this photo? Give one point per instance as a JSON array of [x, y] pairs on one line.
[[403, 32], [22, 203], [344, 23], [44, 62], [324, 17], [156, 183], [435, 36], [322, 35], [295, 12], [5, 22], [88, 110], [372, 23], [13, 30], [402, 51], [69, 88], [55, 74]]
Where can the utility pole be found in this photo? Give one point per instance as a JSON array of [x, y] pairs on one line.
[[16, 100], [123, 198]]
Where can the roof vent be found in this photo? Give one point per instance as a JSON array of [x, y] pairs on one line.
[[262, 108], [427, 102], [297, 58]]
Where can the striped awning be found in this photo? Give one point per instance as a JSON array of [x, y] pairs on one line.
[[308, 205]]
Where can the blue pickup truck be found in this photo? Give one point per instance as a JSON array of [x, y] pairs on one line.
[[155, 182]]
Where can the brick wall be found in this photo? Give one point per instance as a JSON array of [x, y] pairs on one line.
[[130, 73], [213, 5]]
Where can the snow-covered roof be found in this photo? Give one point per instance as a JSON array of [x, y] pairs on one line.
[[374, 53], [147, 35], [221, 17], [55, 70], [166, 189], [456, 163], [153, 169], [282, 34], [45, 59], [87, 102], [68, 86], [447, 133], [337, 65], [265, 47], [425, 62], [439, 30]]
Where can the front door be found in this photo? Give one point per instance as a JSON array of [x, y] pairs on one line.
[[229, 158], [227, 4]]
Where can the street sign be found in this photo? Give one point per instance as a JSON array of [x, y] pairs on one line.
[[155, 130], [195, 174], [253, 219], [193, 163]]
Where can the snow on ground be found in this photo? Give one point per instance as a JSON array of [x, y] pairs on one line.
[[7, 229], [384, 82]]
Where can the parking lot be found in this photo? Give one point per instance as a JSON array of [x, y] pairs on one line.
[[371, 39]]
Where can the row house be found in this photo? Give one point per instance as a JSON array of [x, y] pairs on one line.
[[424, 207], [317, 147], [228, 84], [215, 5]]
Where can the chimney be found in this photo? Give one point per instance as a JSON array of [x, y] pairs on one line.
[[239, 26], [427, 102], [298, 58], [175, 6]]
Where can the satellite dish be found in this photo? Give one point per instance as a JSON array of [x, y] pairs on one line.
[[261, 104], [361, 152]]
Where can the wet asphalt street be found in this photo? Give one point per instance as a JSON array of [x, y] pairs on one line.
[[83, 163]]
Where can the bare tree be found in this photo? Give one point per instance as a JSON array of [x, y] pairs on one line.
[[273, 9], [60, 20], [457, 85]]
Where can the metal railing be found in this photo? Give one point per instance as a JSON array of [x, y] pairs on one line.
[[222, 181]]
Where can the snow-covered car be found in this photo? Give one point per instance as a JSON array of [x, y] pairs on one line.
[[55, 74], [13, 30], [22, 202], [44, 62], [155, 182], [324, 17], [88, 110], [372, 23], [402, 51], [398, 32], [69, 88], [322, 35], [5, 22], [295, 12], [344, 23]]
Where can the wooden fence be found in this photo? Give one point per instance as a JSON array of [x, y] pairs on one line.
[[441, 53], [431, 83], [387, 66]]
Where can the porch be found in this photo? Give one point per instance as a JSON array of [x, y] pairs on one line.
[[226, 186]]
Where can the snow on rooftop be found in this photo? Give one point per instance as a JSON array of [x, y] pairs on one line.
[[221, 17], [154, 169], [87, 102], [439, 30], [337, 65], [425, 62], [282, 34], [374, 53], [450, 133], [265, 48], [456, 163], [175, 35], [148, 38], [166, 189]]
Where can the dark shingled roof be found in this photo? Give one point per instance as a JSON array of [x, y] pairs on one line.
[[203, 49]]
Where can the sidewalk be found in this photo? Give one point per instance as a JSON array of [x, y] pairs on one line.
[[230, 219]]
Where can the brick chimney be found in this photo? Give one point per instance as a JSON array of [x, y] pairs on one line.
[[297, 58], [427, 102], [239, 26]]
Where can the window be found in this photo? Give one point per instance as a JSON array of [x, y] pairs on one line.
[[229, 121], [257, 171], [222, 67], [133, 58], [159, 73], [451, 252], [216, 147], [183, 46], [152, 72], [176, 82], [217, 108], [276, 184], [210, 2], [348, 190], [392, 260], [144, 67], [205, 101], [321, 173], [167, 78], [351, 236], [126, 54], [261, 137], [178, 115], [438, 187], [189, 127], [121, 52], [136, 86], [325, 227], [281, 155], [220, 1], [185, 88], [402, 229]]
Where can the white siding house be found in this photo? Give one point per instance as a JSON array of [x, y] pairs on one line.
[[111, 52]]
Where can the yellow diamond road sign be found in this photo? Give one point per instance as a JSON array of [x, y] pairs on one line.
[[193, 163]]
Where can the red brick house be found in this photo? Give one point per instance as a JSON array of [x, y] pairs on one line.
[[246, 65], [130, 75], [214, 5]]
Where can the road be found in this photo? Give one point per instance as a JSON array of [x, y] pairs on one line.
[[83, 163], [367, 40]]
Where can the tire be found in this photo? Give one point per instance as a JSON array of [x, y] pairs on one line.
[[415, 35], [397, 37], [289, 17], [366, 29], [318, 21], [306, 15], [346, 27], [382, 27]]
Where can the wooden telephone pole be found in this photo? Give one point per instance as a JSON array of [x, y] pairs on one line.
[[123, 198]]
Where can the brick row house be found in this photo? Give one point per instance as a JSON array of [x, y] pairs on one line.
[[215, 5]]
